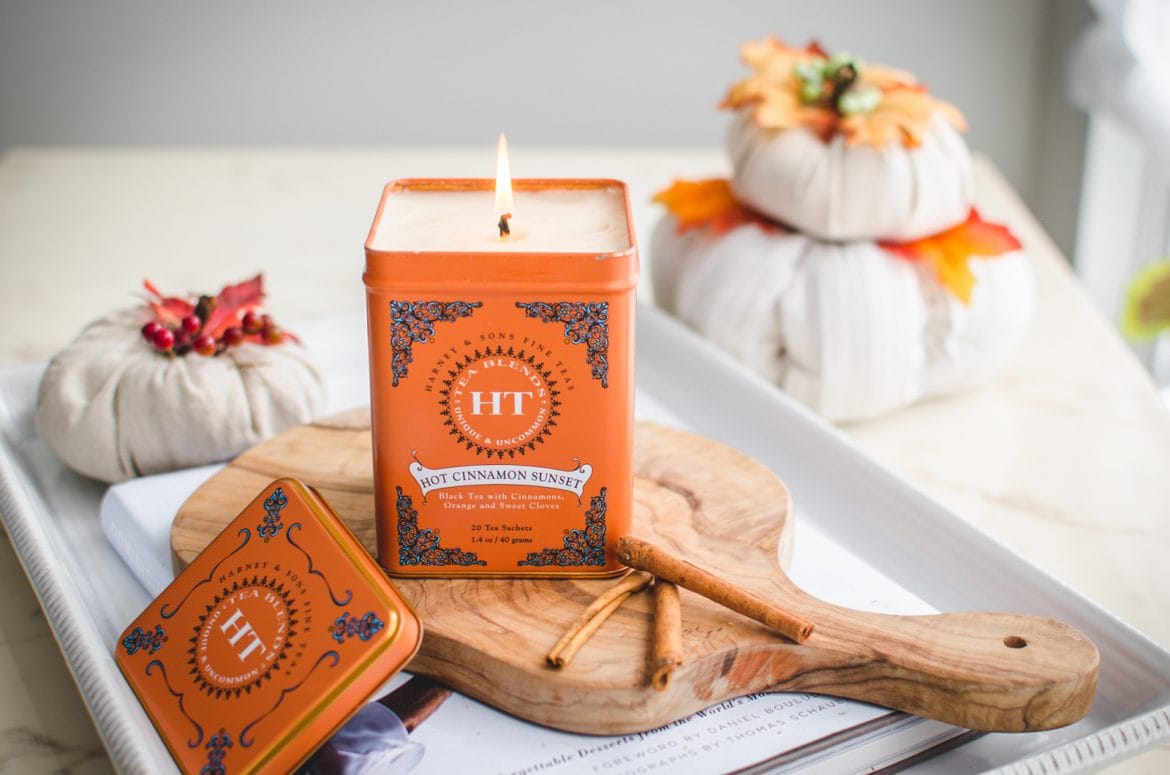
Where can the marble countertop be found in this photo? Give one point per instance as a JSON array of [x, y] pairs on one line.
[[1063, 457]]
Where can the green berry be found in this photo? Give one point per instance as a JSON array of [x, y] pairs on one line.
[[857, 101], [808, 70], [812, 91]]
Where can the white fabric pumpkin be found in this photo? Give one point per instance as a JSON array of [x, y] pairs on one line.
[[112, 408], [846, 328], [841, 193]]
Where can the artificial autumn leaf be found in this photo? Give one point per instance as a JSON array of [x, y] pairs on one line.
[[233, 301], [903, 116], [774, 62], [901, 112], [885, 77], [709, 204], [695, 202], [1147, 305], [168, 309], [784, 110], [949, 252], [774, 80]]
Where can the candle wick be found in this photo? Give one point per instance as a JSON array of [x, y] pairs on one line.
[[505, 229]]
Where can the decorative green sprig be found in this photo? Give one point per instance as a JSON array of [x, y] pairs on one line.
[[834, 83]]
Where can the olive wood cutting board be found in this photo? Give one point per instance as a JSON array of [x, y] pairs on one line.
[[713, 506]]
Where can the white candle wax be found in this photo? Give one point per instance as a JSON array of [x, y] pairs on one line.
[[569, 220]]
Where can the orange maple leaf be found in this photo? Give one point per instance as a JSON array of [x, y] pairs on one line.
[[903, 116], [168, 309], [949, 252], [773, 94], [708, 203]]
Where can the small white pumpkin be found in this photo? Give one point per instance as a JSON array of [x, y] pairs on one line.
[[841, 193], [112, 408], [848, 329]]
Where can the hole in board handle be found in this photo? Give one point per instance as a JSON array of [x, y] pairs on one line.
[[1014, 642]]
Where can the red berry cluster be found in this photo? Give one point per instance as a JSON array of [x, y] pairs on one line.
[[189, 334]]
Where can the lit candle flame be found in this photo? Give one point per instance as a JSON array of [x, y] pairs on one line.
[[503, 186]]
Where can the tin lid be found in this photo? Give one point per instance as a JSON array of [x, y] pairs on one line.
[[277, 633]]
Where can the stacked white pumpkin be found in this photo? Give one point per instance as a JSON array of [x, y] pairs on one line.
[[843, 174]]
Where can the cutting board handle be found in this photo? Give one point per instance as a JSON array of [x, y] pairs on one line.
[[985, 671]]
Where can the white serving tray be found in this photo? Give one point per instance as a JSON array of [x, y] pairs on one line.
[[89, 595]]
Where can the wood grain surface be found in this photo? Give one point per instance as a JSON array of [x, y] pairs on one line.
[[724, 512]]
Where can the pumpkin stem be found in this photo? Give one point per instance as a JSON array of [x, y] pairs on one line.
[[841, 80]]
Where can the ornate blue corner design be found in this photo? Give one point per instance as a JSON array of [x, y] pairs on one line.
[[145, 640], [582, 547], [217, 749], [413, 322], [364, 628], [421, 547], [585, 323], [273, 505]]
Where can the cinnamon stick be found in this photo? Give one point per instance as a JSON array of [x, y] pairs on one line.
[[416, 700], [668, 649], [592, 617], [645, 556]]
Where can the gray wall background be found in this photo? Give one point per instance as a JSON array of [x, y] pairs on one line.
[[601, 73]]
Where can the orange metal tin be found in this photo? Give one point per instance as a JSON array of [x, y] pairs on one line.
[[460, 489], [269, 641]]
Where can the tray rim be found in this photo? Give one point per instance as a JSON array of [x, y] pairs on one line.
[[1105, 745], [90, 661], [120, 722]]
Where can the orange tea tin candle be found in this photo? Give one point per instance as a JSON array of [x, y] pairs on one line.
[[269, 641], [501, 376]]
